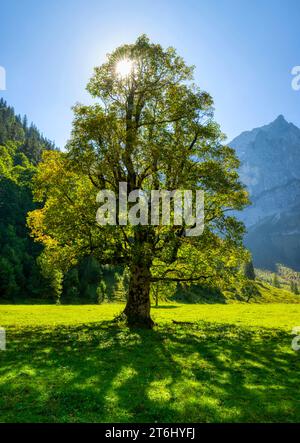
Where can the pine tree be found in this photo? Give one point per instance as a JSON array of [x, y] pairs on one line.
[[294, 287], [276, 283], [249, 270]]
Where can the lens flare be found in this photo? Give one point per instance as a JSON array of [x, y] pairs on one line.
[[124, 67]]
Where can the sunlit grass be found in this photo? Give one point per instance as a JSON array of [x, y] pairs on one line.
[[283, 316], [71, 364]]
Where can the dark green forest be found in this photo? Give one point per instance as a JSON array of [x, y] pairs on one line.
[[21, 147], [22, 276]]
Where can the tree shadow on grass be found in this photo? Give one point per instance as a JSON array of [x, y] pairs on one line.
[[165, 307], [104, 373]]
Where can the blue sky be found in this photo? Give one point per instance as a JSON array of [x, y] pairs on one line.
[[243, 52]]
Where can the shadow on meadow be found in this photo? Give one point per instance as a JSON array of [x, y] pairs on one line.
[[104, 373]]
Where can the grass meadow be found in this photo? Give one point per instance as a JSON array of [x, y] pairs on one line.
[[223, 363]]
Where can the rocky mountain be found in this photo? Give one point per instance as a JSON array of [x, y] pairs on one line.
[[270, 168]]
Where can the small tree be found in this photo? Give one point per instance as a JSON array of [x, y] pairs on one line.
[[155, 293], [294, 287], [101, 291], [71, 284], [249, 290], [249, 272], [276, 283]]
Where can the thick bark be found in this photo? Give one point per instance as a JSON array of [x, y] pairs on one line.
[[137, 310]]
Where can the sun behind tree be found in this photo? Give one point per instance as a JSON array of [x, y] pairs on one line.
[[153, 129]]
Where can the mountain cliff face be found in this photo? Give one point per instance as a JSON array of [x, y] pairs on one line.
[[270, 168]]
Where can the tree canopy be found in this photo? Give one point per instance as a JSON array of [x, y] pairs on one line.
[[152, 128]]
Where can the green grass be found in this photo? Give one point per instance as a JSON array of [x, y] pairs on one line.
[[270, 294], [234, 363], [265, 293]]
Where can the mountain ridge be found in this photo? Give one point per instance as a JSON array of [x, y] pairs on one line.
[[270, 168]]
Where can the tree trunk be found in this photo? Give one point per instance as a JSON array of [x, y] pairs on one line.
[[137, 309]]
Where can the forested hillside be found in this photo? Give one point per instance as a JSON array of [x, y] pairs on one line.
[[23, 276], [27, 139], [21, 147]]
